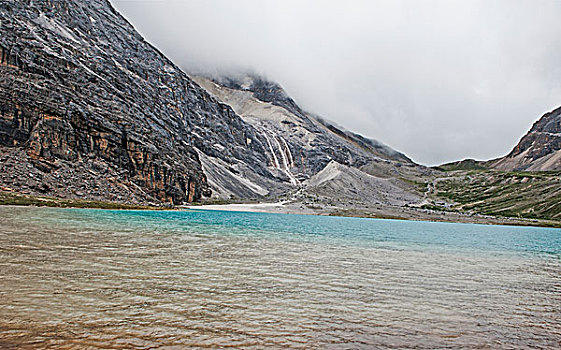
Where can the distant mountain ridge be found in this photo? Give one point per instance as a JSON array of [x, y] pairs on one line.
[[539, 149]]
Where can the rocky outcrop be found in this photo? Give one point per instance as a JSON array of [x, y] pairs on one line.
[[79, 84], [92, 179], [539, 149]]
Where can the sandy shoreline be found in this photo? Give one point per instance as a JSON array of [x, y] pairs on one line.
[[257, 207], [275, 207]]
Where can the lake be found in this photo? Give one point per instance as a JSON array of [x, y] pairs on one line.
[[102, 279]]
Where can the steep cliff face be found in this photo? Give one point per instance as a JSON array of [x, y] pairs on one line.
[[539, 149], [79, 85]]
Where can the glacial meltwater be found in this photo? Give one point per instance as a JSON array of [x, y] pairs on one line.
[[101, 279]]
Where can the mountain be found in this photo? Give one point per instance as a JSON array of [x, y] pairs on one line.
[[465, 164], [89, 109], [538, 150], [526, 183], [87, 105], [299, 144]]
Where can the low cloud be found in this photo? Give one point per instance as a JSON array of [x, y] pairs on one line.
[[437, 80]]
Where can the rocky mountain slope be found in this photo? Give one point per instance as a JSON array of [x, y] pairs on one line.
[[526, 183], [529, 194], [78, 85], [538, 150], [89, 109]]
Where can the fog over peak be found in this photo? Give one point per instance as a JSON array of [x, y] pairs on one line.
[[437, 80]]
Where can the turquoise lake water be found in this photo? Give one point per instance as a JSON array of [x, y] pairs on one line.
[[100, 279]]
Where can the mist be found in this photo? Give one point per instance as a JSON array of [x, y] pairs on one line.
[[437, 80]]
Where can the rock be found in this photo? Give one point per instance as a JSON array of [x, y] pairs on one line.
[[79, 84], [539, 149]]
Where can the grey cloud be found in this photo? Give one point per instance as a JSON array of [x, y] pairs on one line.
[[438, 80]]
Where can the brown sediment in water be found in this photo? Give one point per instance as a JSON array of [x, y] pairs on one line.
[[70, 283]]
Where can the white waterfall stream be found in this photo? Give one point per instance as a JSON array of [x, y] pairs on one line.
[[275, 159], [290, 159], [281, 151], [285, 155]]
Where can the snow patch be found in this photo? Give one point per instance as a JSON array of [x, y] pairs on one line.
[[54, 26]]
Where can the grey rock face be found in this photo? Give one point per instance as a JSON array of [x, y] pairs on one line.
[[539, 149], [78, 83]]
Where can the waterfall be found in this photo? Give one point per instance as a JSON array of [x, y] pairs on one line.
[[285, 164], [291, 160], [283, 155], [284, 152], [275, 159]]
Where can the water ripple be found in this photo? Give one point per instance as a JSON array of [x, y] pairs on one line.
[[106, 280]]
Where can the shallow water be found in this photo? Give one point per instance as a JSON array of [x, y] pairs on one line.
[[80, 279]]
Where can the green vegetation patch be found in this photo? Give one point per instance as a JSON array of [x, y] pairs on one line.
[[466, 164], [535, 195]]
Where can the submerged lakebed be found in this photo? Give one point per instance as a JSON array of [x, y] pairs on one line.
[[86, 278]]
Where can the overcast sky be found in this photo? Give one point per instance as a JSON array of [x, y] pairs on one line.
[[437, 80]]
